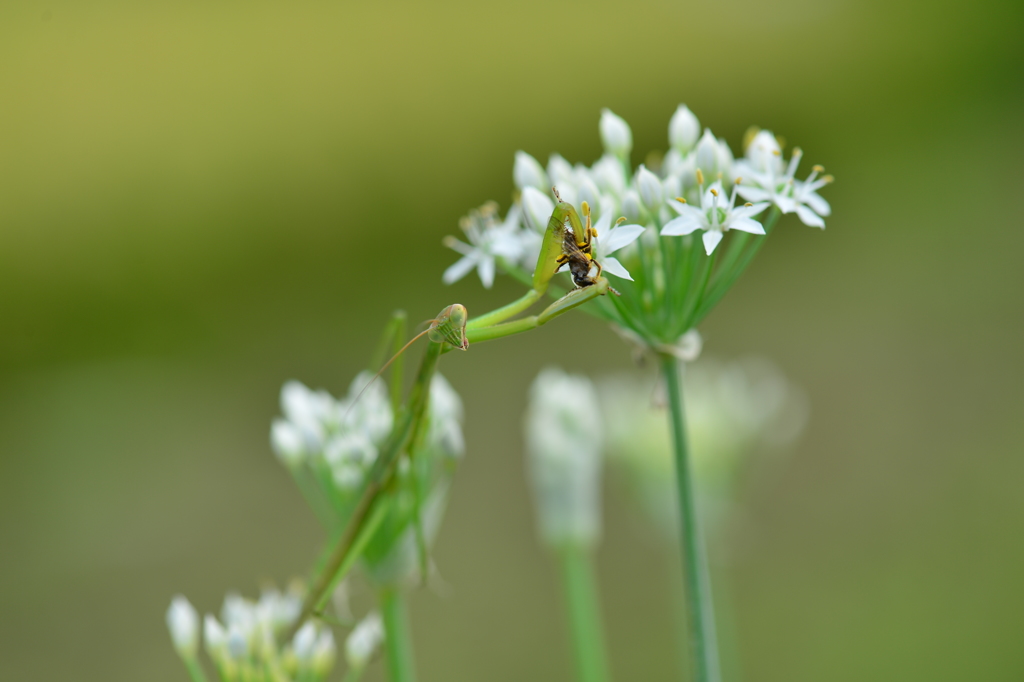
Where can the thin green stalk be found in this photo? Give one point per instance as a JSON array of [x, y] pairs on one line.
[[503, 313], [700, 612], [590, 657], [397, 638]]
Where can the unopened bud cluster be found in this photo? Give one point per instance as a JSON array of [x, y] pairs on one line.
[[246, 642], [331, 445]]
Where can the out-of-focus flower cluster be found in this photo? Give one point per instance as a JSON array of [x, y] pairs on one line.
[[330, 447], [245, 644], [735, 411], [698, 168]]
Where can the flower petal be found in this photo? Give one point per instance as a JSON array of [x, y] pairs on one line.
[[785, 204], [487, 271], [537, 208], [711, 239], [459, 269], [746, 225], [620, 236], [684, 224], [612, 266], [753, 193], [809, 217], [817, 204], [750, 211]]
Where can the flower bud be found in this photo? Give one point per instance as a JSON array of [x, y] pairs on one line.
[[183, 622], [683, 129], [650, 189], [304, 642], [364, 640], [616, 136], [537, 208], [527, 172], [214, 636], [587, 191], [287, 443], [324, 653], [563, 437], [707, 155], [609, 175], [631, 205], [764, 153]]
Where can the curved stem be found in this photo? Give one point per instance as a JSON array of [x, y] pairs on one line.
[[397, 638], [584, 614], [701, 618]]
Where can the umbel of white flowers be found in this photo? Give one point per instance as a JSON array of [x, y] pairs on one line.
[[330, 445], [563, 440], [245, 642], [699, 169]]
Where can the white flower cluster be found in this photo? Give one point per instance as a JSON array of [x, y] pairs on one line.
[[342, 437], [244, 643], [699, 168]]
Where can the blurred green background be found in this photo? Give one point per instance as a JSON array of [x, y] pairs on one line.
[[201, 200]]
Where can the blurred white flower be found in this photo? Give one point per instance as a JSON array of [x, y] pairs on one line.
[[489, 239], [616, 136], [527, 172], [765, 180], [683, 129], [563, 438], [649, 187], [183, 623], [363, 641]]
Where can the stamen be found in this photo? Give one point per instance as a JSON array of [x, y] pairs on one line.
[[620, 221], [818, 168], [798, 152], [700, 177], [828, 178], [714, 191], [748, 204], [738, 181], [448, 241], [585, 208], [681, 200]]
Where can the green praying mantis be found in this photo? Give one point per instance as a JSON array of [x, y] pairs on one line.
[[567, 241]]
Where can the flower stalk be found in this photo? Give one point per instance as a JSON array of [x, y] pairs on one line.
[[397, 637], [584, 614], [696, 577]]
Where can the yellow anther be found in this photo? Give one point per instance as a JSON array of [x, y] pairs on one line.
[[828, 178], [818, 168], [681, 200], [586, 208], [748, 204], [714, 191], [797, 151], [620, 221], [700, 177], [448, 241], [776, 152], [738, 181]]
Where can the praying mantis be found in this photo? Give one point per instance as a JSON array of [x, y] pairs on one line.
[[567, 241]]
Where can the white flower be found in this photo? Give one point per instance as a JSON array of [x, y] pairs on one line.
[[780, 188], [631, 204], [183, 622], [364, 640], [371, 413], [610, 238], [214, 636], [446, 418], [324, 653], [563, 437], [537, 209], [683, 129], [287, 442], [488, 240], [650, 189], [527, 172], [715, 216], [713, 156], [304, 642], [308, 412], [616, 136], [609, 175]]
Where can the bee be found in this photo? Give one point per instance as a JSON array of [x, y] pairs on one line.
[[577, 250]]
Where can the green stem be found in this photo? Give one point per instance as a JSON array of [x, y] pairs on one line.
[[397, 638], [584, 614], [701, 619], [195, 671], [505, 312]]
